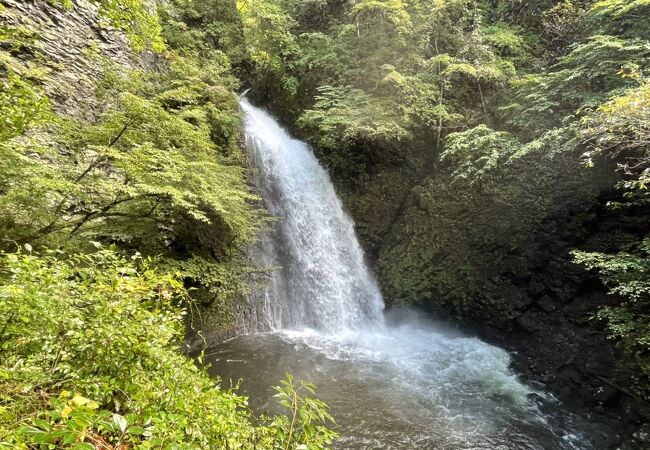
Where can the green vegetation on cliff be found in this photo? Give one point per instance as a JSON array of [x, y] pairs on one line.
[[135, 17]]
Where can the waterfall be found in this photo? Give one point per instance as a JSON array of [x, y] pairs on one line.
[[323, 282], [407, 383]]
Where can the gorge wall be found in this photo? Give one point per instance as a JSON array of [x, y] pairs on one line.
[[69, 50]]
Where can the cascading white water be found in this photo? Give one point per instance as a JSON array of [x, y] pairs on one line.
[[404, 384], [324, 284]]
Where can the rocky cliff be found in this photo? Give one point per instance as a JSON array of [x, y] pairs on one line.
[[66, 50]]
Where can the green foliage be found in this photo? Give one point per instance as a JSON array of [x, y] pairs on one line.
[[138, 162], [271, 45], [136, 173], [21, 105], [202, 27], [506, 40], [64, 181], [345, 116], [478, 153], [159, 169], [70, 378], [216, 284], [563, 24], [134, 17], [619, 129], [413, 67], [627, 275], [391, 14], [381, 32], [305, 418], [624, 17], [584, 79]]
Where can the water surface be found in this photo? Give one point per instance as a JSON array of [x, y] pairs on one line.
[[407, 386]]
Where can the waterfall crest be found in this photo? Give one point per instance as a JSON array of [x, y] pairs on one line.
[[323, 282]]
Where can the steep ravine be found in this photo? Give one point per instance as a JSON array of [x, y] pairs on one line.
[[543, 321]]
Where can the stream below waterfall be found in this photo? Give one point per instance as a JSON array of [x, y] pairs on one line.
[[391, 382], [408, 386]]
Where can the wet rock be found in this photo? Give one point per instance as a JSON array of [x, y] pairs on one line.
[[642, 435], [531, 321], [605, 394], [547, 304], [536, 399]]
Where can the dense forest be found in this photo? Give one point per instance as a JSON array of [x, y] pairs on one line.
[[494, 155]]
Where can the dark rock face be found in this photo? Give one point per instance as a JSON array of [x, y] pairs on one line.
[[555, 341], [561, 347]]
